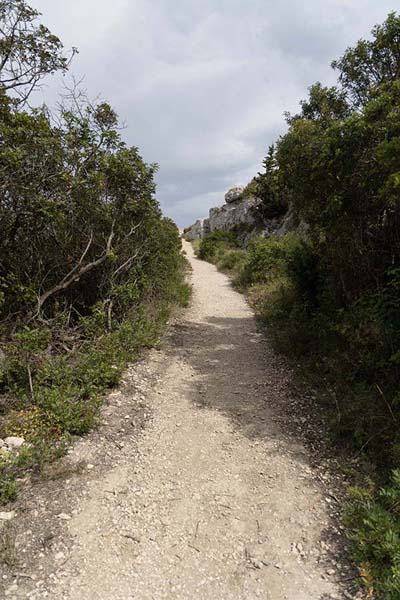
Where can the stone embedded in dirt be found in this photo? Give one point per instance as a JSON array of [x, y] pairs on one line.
[[64, 517], [59, 556], [7, 516], [11, 589], [257, 564], [14, 442]]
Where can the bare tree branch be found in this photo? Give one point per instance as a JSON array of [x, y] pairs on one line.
[[76, 273]]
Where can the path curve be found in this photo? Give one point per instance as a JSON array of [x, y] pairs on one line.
[[215, 501]]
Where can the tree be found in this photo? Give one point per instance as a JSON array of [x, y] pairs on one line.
[[76, 205], [269, 188], [371, 62], [324, 104], [28, 50]]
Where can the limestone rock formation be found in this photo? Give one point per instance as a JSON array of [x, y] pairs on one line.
[[234, 194], [235, 213], [196, 231], [237, 210]]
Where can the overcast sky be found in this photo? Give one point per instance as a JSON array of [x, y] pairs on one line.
[[202, 85]]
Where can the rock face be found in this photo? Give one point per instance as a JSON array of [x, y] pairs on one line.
[[196, 231], [234, 194], [236, 211]]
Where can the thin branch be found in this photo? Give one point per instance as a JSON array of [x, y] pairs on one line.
[[76, 273], [126, 264], [386, 402]]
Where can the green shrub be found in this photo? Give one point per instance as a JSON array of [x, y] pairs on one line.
[[373, 518], [8, 485], [332, 295], [274, 256], [68, 390], [232, 260], [214, 245]]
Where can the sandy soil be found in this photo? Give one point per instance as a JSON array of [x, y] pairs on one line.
[[192, 488]]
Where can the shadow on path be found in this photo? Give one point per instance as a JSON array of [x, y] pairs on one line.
[[238, 374]]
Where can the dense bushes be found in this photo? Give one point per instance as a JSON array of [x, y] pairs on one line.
[[340, 162], [332, 291], [215, 243], [89, 268], [222, 249]]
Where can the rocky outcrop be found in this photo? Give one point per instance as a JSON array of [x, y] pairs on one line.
[[237, 210], [228, 216], [197, 231], [239, 213], [234, 194]]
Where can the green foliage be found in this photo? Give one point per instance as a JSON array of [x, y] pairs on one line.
[[69, 240], [232, 261], [339, 163], [371, 62], [8, 486], [342, 169], [89, 268], [332, 294], [324, 104], [213, 246], [28, 50], [373, 520], [268, 257], [270, 188]]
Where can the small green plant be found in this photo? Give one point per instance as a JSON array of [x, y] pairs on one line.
[[8, 550], [373, 518], [26, 353], [8, 485]]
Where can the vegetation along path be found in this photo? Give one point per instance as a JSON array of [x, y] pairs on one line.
[[213, 500]]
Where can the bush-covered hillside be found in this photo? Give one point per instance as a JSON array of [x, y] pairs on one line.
[[89, 268], [332, 289]]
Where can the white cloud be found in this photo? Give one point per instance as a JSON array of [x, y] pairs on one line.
[[202, 86]]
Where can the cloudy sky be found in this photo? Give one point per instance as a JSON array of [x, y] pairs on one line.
[[202, 84]]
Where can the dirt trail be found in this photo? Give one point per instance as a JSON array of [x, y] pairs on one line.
[[214, 501]]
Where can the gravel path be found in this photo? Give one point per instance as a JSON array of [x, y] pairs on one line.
[[213, 500]]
